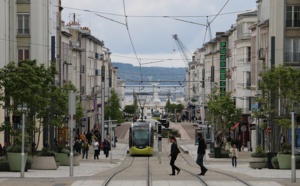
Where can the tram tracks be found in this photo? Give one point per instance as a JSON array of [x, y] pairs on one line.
[[218, 172], [132, 167]]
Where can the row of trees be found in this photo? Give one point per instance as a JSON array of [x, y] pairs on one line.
[[28, 87], [280, 95], [169, 108]]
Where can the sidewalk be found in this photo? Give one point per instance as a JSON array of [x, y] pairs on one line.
[[224, 164], [87, 167]]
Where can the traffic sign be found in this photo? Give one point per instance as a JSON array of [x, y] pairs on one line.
[[243, 128], [269, 130]]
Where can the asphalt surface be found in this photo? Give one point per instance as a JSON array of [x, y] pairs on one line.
[[95, 172]]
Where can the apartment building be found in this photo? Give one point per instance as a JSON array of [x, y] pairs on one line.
[[25, 33], [29, 29]]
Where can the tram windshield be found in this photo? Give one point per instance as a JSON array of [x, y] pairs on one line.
[[141, 137]]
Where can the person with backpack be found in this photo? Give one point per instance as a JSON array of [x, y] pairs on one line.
[[201, 153], [174, 153], [85, 149]]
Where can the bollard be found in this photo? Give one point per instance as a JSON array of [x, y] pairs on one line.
[[110, 156]]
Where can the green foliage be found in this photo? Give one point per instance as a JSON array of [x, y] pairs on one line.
[[112, 109], [222, 112], [18, 148], [46, 152], [274, 159], [130, 109], [29, 85], [259, 152], [286, 149], [172, 106]]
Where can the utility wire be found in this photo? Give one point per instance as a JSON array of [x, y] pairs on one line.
[[189, 22], [132, 41], [219, 12], [111, 19], [151, 16]]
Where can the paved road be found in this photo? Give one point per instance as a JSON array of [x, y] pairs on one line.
[[95, 172]]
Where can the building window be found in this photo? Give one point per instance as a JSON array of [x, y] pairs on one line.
[[23, 24], [292, 50], [248, 54], [23, 54], [293, 16], [248, 80]]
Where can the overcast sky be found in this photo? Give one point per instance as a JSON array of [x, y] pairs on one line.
[[150, 30]]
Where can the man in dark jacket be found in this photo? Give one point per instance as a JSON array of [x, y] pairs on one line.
[[201, 153], [174, 154]]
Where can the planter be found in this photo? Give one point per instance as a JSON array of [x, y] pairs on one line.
[[257, 165], [257, 159], [43, 163], [64, 159], [14, 161], [275, 165], [57, 163], [284, 161], [211, 155], [4, 166]]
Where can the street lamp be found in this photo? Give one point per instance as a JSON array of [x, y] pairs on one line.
[[142, 96], [23, 107]]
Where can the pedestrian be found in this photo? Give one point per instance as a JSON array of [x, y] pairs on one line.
[[85, 149], [200, 154], [78, 146], [96, 149], [106, 147], [234, 155], [173, 153], [240, 143]]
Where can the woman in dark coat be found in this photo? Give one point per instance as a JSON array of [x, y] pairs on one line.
[[174, 154]]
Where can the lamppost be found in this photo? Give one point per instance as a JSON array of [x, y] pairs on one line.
[[142, 96], [23, 107]]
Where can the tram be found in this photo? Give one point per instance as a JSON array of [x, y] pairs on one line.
[[141, 138]]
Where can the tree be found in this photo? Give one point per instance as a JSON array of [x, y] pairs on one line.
[[30, 85], [279, 83], [112, 109], [168, 106], [130, 109], [222, 112]]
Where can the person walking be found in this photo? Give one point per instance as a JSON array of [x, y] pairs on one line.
[[174, 153], [240, 143], [234, 155], [200, 154], [96, 149], [85, 149], [106, 147]]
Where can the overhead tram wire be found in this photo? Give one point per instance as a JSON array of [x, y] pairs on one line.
[[150, 16], [132, 42]]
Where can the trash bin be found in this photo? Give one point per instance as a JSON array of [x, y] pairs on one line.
[[270, 155], [217, 151]]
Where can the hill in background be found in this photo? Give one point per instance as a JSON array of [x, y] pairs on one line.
[[131, 74]]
